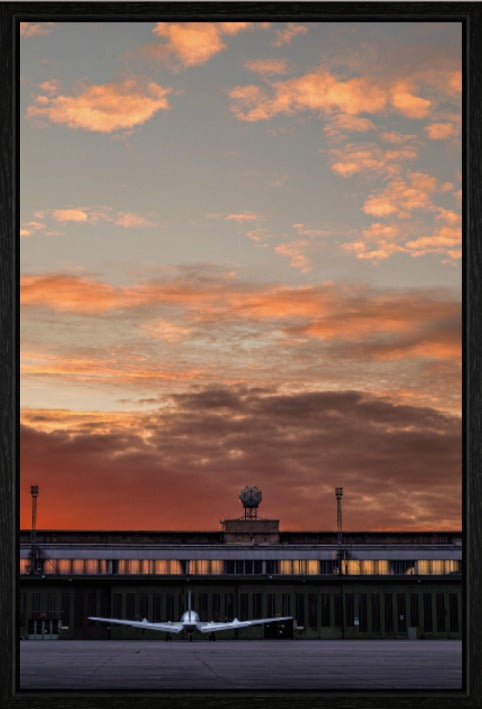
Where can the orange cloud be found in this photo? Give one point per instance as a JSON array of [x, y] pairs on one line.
[[406, 103], [194, 43], [337, 126], [381, 231], [123, 368], [166, 330], [446, 239], [49, 420], [37, 29], [389, 326], [83, 295], [390, 239], [369, 158], [217, 297], [242, 217], [267, 67], [104, 108], [306, 230], [89, 215], [69, 294], [258, 235], [397, 138], [400, 197], [353, 314], [441, 131], [323, 92], [51, 87], [296, 252], [312, 92], [285, 36], [28, 228], [129, 220], [71, 215], [383, 250]]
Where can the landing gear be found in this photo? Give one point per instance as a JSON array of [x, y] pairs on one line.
[[190, 637], [212, 637], [168, 637]]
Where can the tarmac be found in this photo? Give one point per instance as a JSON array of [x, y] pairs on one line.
[[242, 665]]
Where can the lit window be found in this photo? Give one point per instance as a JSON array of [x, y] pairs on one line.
[[205, 566], [303, 567], [78, 566], [91, 566], [438, 566]]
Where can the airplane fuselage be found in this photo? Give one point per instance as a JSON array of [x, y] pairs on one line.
[[190, 621]]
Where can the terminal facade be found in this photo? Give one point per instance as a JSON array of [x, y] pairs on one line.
[[361, 585]]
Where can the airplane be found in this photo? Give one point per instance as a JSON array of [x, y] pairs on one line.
[[190, 622]]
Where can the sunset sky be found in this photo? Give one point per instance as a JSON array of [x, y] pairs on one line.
[[240, 265]]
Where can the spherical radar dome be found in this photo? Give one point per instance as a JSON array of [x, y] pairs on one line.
[[250, 496]]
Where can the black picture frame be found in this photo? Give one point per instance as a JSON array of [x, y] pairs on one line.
[[470, 15]]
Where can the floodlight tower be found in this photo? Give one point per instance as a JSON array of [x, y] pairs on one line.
[[339, 495], [34, 493], [35, 556]]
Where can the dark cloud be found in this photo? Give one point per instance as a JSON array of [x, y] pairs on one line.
[[184, 466]]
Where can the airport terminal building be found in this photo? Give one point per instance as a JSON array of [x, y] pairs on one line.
[[356, 585]]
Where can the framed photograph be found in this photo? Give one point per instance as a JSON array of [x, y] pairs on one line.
[[241, 354]]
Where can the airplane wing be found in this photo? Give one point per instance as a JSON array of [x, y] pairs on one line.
[[213, 627], [144, 624]]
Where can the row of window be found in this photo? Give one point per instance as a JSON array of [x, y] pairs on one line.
[[349, 567], [368, 612]]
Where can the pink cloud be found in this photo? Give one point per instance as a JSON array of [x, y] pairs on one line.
[[104, 108]]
